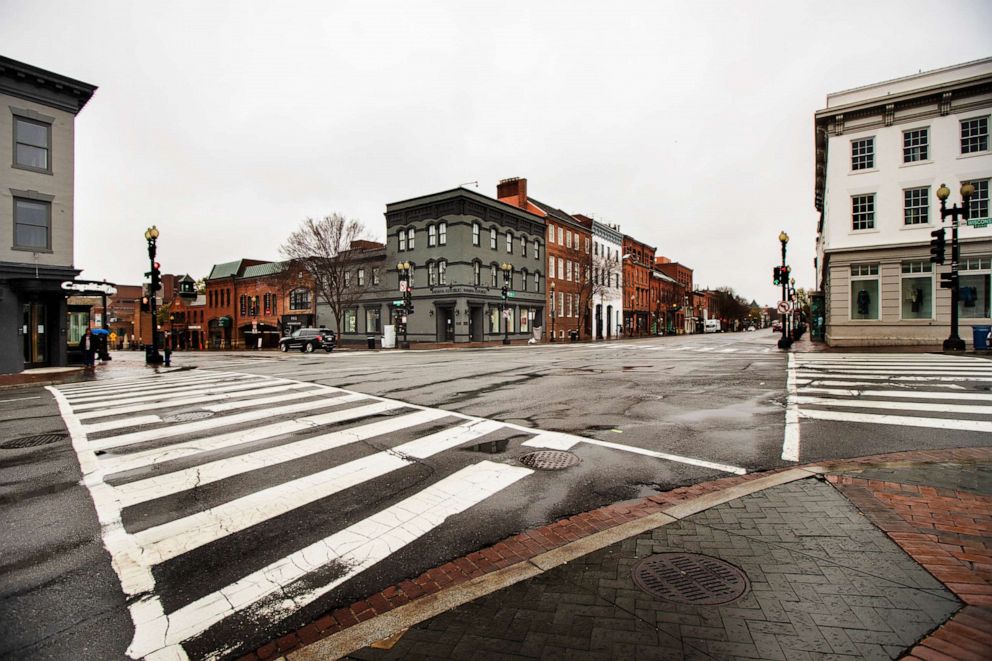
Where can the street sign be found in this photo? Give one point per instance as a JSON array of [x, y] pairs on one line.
[[783, 307], [979, 222], [512, 294], [402, 286], [507, 313]]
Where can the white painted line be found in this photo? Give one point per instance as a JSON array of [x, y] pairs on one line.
[[195, 390], [119, 384], [900, 370], [209, 423], [355, 548], [121, 424], [790, 442], [552, 440], [906, 421], [910, 394], [896, 406], [167, 389], [835, 375], [168, 540], [701, 349], [158, 486], [736, 470], [876, 384], [275, 399], [727, 351], [18, 399], [113, 464], [235, 392]]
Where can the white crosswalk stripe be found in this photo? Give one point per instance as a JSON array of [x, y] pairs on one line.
[[251, 450], [906, 390]]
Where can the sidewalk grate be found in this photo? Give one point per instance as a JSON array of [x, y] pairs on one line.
[[690, 578], [187, 416], [549, 460], [32, 441]]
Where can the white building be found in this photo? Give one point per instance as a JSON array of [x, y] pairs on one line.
[[882, 151], [607, 271]]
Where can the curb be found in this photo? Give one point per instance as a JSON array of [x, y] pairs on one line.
[[533, 552]]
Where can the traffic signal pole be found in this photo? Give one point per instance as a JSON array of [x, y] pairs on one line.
[[951, 280], [153, 358], [785, 342]]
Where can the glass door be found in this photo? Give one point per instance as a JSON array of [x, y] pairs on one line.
[[33, 331]]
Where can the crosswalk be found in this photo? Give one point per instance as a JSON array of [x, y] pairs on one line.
[[905, 390], [186, 467], [682, 348]]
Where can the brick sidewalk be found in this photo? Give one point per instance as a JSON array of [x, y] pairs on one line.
[[957, 552]]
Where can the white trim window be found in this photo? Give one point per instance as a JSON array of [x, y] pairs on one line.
[[492, 238], [375, 276], [551, 267], [32, 144], [477, 274], [863, 153], [561, 268], [410, 234], [568, 239], [916, 205], [431, 235], [475, 234], [401, 239], [568, 306], [361, 276], [974, 135], [568, 270], [493, 277], [863, 212], [561, 236], [523, 246], [431, 274], [509, 243], [916, 300], [537, 281], [978, 205], [442, 233], [537, 250], [442, 272], [523, 279], [864, 291], [551, 233], [916, 145], [974, 292]]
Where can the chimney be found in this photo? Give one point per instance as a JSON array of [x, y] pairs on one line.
[[513, 191]]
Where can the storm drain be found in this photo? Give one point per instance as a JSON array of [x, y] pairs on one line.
[[187, 416], [690, 578], [32, 441], [549, 460]]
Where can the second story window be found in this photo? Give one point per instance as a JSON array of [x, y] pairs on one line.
[[492, 238], [493, 282], [347, 279], [916, 205], [537, 282], [551, 233], [974, 135], [475, 234], [431, 275], [32, 224], [863, 154], [361, 277], [915, 145], [978, 205], [442, 233], [299, 299], [476, 274], [410, 234], [863, 212], [375, 276], [442, 272], [537, 250], [551, 268], [509, 243], [523, 246], [568, 238], [32, 141], [431, 236], [402, 239]]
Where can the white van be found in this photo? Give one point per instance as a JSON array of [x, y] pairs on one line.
[[711, 326]]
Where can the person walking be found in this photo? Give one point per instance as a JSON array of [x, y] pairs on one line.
[[87, 345]]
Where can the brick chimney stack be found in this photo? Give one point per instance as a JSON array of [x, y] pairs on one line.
[[513, 191]]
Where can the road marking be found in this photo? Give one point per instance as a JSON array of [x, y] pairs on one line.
[[135, 391], [900, 406], [18, 399], [907, 421], [158, 403], [276, 399], [354, 549], [117, 384], [910, 394], [121, 424], [790, 442], [826, 382], [158, 486], [874, 377]]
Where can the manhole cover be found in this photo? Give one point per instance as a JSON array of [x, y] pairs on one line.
[[32, 441], [188, 416], [549, 460], [690, 578]]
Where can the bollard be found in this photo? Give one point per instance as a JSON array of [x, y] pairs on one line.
[[168, 357]]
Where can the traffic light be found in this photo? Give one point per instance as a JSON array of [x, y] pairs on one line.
[[408, 300], [949, 280], [156, 275], [937, 246], [145, 307], [777, 275], [505, 292]]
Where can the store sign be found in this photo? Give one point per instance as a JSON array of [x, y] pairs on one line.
[[90, 287], [979, 222]]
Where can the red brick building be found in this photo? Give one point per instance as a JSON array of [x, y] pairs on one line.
[[638, 263], [568, 253], [682, 274]]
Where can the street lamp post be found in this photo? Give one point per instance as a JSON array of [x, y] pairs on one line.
[[403, 268], [792, 312], [507, 269], [151, 236], [953, 341], [553, 311], [785, 342]]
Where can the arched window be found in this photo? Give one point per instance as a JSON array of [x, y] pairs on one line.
[[442, 233], [244, 305], [477, 274], [523, 279], [523, 246], [442, 272], [475, 234], [537, 250], [431, 275], [410, 234], [492, 238], [493, 271], [431, 235], [509, 242], [401, 237], [537, 281]]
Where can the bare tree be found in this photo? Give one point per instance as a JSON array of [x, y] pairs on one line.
[[323, 250]]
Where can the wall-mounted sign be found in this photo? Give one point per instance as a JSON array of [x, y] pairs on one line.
[[90, 287], [979, 222]]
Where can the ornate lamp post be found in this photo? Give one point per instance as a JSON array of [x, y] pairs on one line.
[[785, 342], [507, 270], [404, 272], [151, 236], [950, 280], [553, 311]]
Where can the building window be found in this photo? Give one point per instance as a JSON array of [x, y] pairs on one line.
[[442, 272], [523, 279], [442, 234], [978, 205], [494, 319], [551, 268], [299, 299], [32, 224], [524, 320], [551, 233], [350, 321], [973, 296], [410, 234], [477, 274], [568, 239], [32, 141], [568, 270], [537, 250], [373, 320], [537, 282], [402, 239], [493, 282], [523, 246], [361, 277], [916, 205], [575, 305], [431, 274], [974, 135], [475, 234], [431, 236], [863, 154], [568, 306], [375, 276], [244, 305], [864, 291], [561, 233], [915, 145], [492, 238], [347, 279], [917, 290], [561, 303], [561, 268], [508, 319], [863, 211], [410, 276], [267, 303], [509, 243]]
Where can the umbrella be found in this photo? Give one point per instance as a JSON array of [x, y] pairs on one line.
[[100, 331]]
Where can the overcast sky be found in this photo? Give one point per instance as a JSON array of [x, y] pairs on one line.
[[688, 123]]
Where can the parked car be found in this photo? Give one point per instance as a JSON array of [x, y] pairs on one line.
[[777, 327], [309, 339]]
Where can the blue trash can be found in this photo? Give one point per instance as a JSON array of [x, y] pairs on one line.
[[981, 337]]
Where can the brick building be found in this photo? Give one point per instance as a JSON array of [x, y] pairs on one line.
[[682, 274], [638, 263]]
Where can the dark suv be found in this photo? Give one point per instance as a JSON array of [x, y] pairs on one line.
[[309, 339]]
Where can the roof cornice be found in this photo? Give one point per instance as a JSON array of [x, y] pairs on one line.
[[45, 87]]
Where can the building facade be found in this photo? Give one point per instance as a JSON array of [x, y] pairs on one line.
[[882, 151], [38, 111], [456, 243], [682, 274], [638, 263], [607, 280]]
